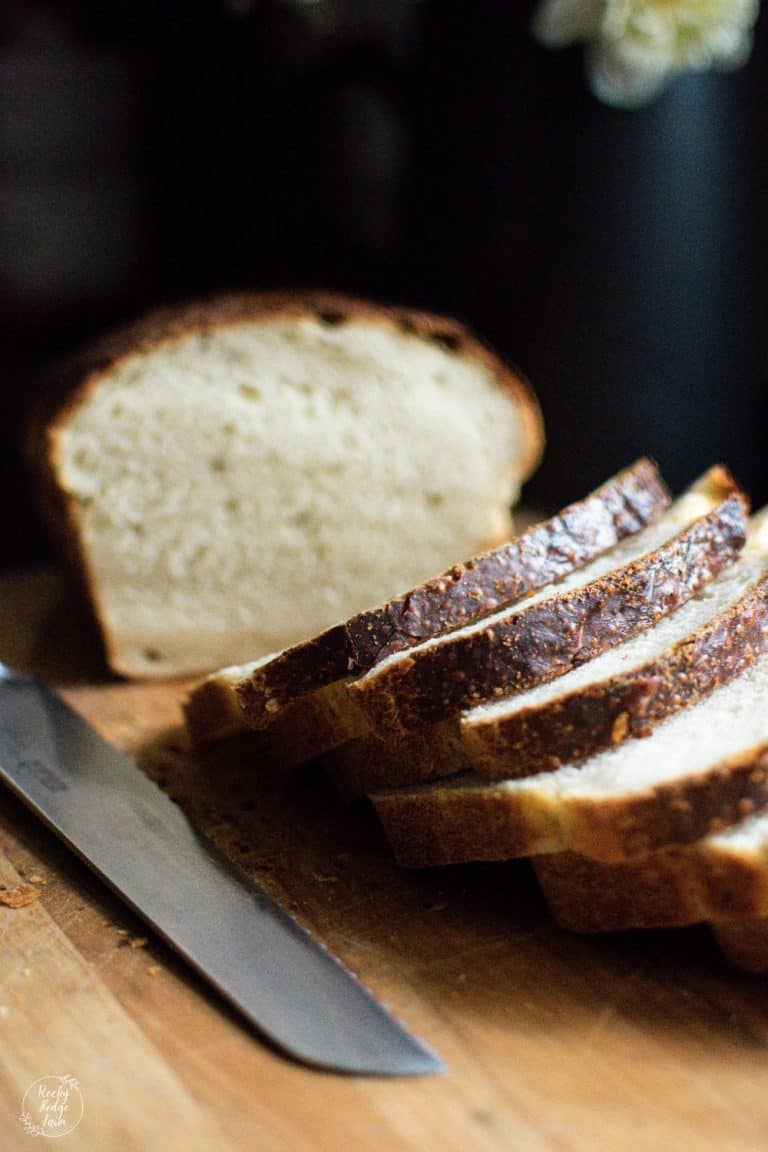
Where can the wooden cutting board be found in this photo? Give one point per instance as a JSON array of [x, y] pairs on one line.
[[552, 1041]]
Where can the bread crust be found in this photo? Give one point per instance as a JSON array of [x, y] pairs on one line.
[[72, 383], [665, 889], [600, 716], [550, 638], [582, 531], [461, 820], [571, 727], [369, 764], [660, 890]]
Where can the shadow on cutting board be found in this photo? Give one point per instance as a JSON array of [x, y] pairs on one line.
[[474, 939]]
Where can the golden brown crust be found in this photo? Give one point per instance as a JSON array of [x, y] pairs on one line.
[[550, 638], [463, 820], [547, 551], [666, 889], [589, 720]]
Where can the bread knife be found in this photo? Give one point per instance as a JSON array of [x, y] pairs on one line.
[[125, 828]]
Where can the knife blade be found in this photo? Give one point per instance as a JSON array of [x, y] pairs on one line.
[[132, 835]]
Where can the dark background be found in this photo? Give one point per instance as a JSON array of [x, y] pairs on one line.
[[422, 152]]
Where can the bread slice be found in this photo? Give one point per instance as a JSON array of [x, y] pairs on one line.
[[258, 694], [697, 773], [235, 475], [722, 879], [629, 689], [561, 626], [618, 695]]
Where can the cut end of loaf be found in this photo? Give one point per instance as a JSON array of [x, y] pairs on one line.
[[239, 484]]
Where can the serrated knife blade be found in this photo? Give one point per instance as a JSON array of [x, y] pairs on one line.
[[124, 827]]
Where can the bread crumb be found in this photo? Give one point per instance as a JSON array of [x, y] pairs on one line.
[[35, 879], [153, 969], [19, 897], [139, 942], [620, 728]]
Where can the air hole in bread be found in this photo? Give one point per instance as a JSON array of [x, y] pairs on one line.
[[451, 341], [218, 464], [331, 317], [232, 505], [249, 391], [153, 655], [435, 499]]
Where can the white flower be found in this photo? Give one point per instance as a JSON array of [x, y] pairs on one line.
[[636, 46]]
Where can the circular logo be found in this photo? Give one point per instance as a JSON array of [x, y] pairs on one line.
[[52, 1106]]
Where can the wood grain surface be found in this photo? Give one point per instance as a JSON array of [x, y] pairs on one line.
[[552, 1042]]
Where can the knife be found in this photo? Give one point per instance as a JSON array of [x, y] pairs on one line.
[[124, 827]]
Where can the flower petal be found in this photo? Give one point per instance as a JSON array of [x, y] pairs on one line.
[[737, 56], [559, 22], [615, 82]]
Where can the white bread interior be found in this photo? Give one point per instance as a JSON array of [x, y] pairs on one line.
[[238, 489]]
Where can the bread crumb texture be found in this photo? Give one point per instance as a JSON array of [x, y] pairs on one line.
[[242, 487]]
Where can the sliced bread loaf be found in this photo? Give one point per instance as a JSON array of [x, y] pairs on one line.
[[618, 695], [698, 772], [564, 625], [235, 475], [257, 694], [640, 591]]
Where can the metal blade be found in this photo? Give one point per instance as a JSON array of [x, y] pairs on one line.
[[137, 840]]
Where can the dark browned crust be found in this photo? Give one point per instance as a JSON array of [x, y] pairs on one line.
[[745, 944], [677, 812], [70, 385], [546, 552], [461, 820], [550, 638], [598, 717], [573, 727]]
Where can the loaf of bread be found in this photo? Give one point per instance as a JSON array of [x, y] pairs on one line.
[[233, 476]]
